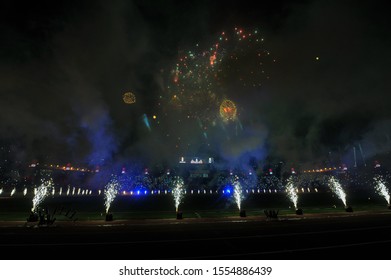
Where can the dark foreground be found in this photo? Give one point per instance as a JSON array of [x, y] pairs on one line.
[[346, 236]]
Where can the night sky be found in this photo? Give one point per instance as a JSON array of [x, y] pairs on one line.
[[317, 86]]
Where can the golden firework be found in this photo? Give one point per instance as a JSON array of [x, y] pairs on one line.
[[228, 110], [175, 100], [129, 98]]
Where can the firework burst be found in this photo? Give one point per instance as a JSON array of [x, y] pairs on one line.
[[235, 60]]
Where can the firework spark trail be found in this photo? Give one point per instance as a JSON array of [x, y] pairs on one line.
[[40, 194], [381, 188], [291, 192], [178, 192], [238, 194], [111, 191], [337, 189]]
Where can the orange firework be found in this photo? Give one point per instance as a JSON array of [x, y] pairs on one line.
[[129, 98], [228, 110], [212, 59]]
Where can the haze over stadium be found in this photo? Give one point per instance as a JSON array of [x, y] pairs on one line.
[[307, 79]]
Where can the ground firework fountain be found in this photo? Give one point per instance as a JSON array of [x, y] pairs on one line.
[[178, 192], [338, 190], [41, 192], [292, 194], [111, 191], [381, 189], [238, 195]]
